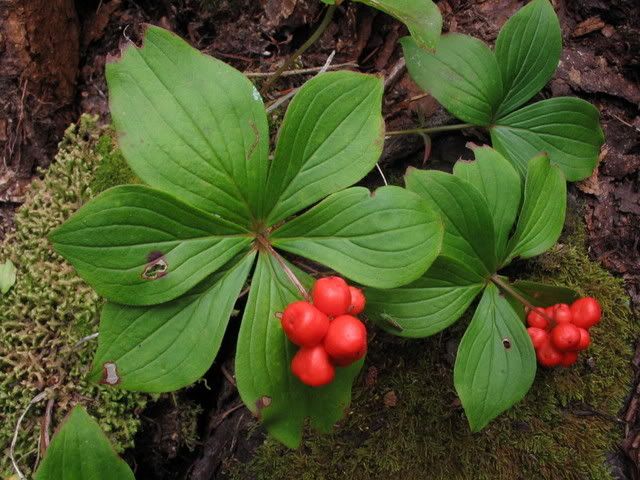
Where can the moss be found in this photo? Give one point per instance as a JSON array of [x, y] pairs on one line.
[[113, 169], [564, 428], [189, 413], [49, 308]]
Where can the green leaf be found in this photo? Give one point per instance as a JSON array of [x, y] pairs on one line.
[[428, 305], [80, 451], [382, 239], [566, 129], [7, 276], [499, 184], [543, 295], [528, 51], [496, 364], [543, 210], [166, 347], [264, 354], [422, 18], [140, 246], [468, 227], [331, 137], [191, 125], [462, 75]]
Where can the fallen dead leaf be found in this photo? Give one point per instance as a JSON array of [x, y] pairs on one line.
[[390, 399], [591, 24]]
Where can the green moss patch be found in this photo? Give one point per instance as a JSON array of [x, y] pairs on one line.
[[50, 309], [406, 422]]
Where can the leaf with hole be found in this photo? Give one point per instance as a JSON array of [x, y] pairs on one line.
[[140, 246], [263, 357], [168, 346], [496, 364], [382, 239], [80, 451]]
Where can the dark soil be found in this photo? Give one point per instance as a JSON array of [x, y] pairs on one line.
[[600, 63]]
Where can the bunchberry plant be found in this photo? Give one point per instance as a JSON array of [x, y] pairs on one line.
[[80, 451], [172, 256], [489, 88], [490, 219]]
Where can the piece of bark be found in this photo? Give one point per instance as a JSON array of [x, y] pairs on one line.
[[39, 56]]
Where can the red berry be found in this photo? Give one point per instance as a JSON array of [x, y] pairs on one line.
[[563, 313], [585, 339], [565, 337], [534, 319], [569, 358], [538, 336], [346, 340], [548, 356], [358, 301], [312, 366], [551, 312], [304, 324], [586, 312], [331, 295]]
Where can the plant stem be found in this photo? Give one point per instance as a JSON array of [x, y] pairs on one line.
[[328, 16], [302, 71], [511, 291], [420, 131], [514, 293], [292, 276]]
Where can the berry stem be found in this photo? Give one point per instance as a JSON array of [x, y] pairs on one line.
[[328, 16], [514, 293], [292, 276], [427, 130]]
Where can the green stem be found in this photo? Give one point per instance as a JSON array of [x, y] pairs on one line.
[[512, 291], [428, 130], [292, 276], [328, 16]]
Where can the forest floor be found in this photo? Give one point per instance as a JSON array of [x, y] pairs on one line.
[[600, 63]]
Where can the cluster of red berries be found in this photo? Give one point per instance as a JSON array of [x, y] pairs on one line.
[[326, 331], [559, 332]]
